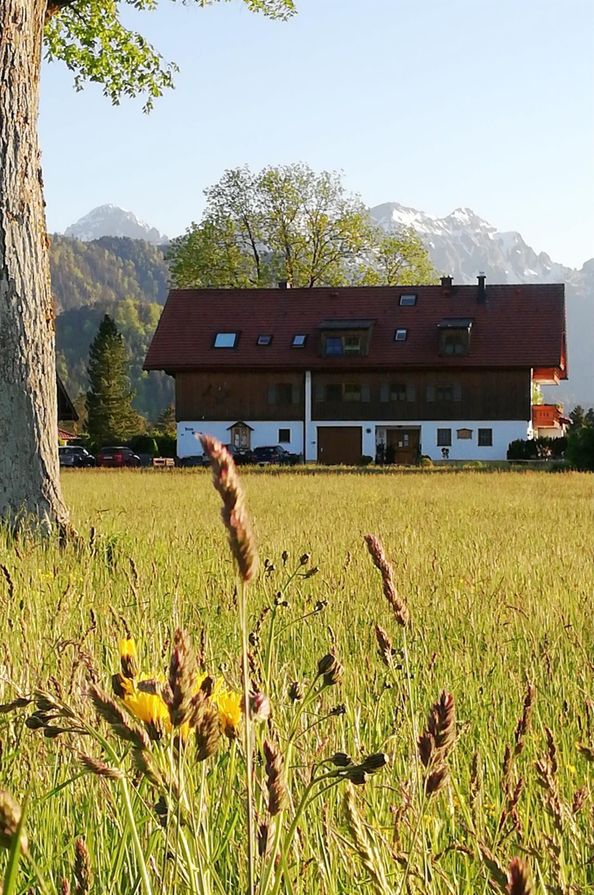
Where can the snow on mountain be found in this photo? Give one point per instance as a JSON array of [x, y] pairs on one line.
[[110, 220], [462, 244]]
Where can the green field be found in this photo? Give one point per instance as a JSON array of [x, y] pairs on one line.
[[497, 571]]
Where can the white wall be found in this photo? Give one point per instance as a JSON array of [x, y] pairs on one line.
[[266, 433]]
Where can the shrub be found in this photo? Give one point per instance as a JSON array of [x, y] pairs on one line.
[[537, 449], [143, 444], [580, 448]]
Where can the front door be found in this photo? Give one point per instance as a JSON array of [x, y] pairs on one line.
[[339, 444], [402, 446]]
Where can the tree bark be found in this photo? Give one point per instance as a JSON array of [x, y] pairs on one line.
[[29, 470]]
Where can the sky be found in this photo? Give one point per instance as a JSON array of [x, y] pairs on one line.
[[436, 104]]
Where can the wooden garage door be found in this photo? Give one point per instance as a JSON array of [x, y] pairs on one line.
[[339, 444]]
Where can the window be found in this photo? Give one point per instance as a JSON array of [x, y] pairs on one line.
[[264, 340], [333, 392], [444, 437], [336, 346], [445, 393], [283, 393], [408, 301], [352, 344], [226, 340], [485, 437], [400, 335], [454, 342], [298, 341], [284, 435], [333, 346], [337, 392], [352, 392]]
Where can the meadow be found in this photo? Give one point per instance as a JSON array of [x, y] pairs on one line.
[[416, 758]]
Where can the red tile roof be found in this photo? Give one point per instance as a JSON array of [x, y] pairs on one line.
[[517, 326]]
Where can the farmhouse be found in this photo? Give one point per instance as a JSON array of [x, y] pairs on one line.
[[339, 373]]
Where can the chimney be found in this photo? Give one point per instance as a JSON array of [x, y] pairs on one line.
[[284, 284], [446, 284], [482, 289]]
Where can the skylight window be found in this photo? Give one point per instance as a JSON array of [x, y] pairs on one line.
[[408, 301], [226, 340], [264, 340], [400, 335], [298, 341]]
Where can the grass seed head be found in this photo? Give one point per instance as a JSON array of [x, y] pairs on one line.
[[330, 669], [182, 676], [83, 877], [207, 729], [99, 768], [524, 722], [107, 709], [341, 760], [295, 691], [234, 514], [10, 816], [275, 778], [385, 649], [397, 604], [518, 879]]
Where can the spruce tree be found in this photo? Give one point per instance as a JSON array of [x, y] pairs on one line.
[[111, 417]]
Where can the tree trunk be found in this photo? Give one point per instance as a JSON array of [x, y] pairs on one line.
[[29, 471]]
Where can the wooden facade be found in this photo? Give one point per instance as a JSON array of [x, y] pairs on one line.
[[422, 395], [238, 395], [360, 395]]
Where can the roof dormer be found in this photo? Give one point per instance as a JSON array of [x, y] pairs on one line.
[[454, 336], [344, 338]]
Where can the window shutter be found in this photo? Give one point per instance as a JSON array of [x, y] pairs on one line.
[[457, 390], [430, 393], [384, 392], [365, 395], [295, 394], [272, 394], [411, 392]]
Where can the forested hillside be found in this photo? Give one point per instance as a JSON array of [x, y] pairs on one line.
[[125, 278], [106, 269]]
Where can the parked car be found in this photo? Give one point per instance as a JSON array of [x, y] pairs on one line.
[[265, 456], [74, 456], [241, 457], [117, 456]]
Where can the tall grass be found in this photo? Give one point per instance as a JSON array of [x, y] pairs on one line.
[[496, 572]]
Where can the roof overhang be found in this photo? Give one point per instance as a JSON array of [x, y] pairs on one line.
[[345, 324], [455, 323]]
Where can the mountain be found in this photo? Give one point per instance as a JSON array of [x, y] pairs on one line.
[[462, 244], [106, 270], [125, 278], [100, 273], [109, 220]]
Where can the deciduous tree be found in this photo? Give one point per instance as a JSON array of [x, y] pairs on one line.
[[90, 37], [292, 223]]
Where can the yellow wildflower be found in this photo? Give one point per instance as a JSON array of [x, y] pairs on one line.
[[141, 694], [128, 658], [229, 706]]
